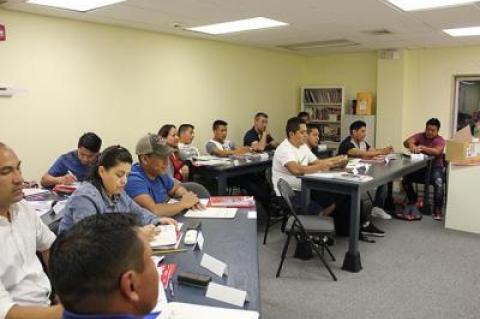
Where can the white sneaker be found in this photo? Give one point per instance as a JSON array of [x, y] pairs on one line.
[[380, 213]]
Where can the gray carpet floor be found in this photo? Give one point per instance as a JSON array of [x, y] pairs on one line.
[[419, 270]]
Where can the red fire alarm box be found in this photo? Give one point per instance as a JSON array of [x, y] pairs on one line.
[[3, 34]]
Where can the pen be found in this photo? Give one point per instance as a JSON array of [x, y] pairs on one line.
[[170, 287]]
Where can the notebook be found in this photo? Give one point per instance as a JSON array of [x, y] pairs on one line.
[[212, 212]]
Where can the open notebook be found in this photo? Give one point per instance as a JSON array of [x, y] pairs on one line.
[[212, 212]]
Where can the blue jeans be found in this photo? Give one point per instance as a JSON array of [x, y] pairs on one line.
[[436, 179], [380, 196]]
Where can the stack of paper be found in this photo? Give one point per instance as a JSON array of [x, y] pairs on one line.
[[212, 212], [166, 237], [178, 310]]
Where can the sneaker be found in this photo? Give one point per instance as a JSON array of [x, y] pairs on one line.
[[415, 213], [437, 214], [371, 230], [380, 213]]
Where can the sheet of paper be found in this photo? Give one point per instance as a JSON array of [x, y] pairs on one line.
[[178, 310], [213, 264], [226, 294], [212, 212], [41, 207], [59, 206], [204, 201], [200, 240], [166, 237], [162, 302], [325, 174], [252, 214]]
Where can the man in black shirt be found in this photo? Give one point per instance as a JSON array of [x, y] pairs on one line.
[[258, 137], [356, 146]]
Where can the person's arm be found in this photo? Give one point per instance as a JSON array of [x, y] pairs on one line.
[[436, 150], [57, 174], [411, 143], [298, 170], [371, 153], [212, 149], [259, 146], [29, 312], [166, 209]]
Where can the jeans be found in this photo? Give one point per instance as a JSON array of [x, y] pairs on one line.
[[436, 179], [380, 196]]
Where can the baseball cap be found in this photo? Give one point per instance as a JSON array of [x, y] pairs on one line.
[[153, 144]]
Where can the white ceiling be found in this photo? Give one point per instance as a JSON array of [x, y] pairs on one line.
[[310, 21]]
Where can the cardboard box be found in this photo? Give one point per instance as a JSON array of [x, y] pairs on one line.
[[457, 151], [364, 103]]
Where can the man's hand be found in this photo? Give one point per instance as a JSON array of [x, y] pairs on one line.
[[67, 179], [185, 172], [387, 150], [168, 221], [189, 200]]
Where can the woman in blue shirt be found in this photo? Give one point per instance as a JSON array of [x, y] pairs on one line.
[[104, 192]]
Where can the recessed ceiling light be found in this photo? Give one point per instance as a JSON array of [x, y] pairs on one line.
[[76, 5], [463, 32], [412, 5], [239, 25]]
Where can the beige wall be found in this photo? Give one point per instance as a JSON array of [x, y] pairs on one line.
[[123, 83]]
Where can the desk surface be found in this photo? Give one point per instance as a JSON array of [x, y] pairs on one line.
[[233, 241], [382, 173]]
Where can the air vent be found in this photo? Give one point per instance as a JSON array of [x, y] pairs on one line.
[[336, 43], [378, 32]]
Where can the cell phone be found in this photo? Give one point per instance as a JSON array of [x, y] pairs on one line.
[[193, 279]]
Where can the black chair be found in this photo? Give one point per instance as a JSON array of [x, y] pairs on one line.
[[306, 228], [197, 188], [277, 204]]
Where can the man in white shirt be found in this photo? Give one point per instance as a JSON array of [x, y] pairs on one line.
[[220, 146], [293, 158], [24, 287]]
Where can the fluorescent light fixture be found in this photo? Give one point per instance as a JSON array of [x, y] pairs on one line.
[[239, 25], [76, 5], [412, 5], [463, 32]]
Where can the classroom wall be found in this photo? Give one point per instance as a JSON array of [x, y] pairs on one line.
[[356, 72], [123, 83]]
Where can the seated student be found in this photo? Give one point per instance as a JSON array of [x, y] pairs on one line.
[[177, 168], [149, 184], [293, 158], [313, 138], [356, 146], [75, 165], [258, 138], [429, 143], [104, 192], [254, 184], [102, 268], [24, 287], [304, 116], [186, 135], [219, 145]]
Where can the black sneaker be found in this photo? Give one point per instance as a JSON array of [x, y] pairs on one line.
[[371, 230]]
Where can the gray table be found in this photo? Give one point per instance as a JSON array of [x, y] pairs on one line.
[[382, 174], [232, 168], [233, 241]]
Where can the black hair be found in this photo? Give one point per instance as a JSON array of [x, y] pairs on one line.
[[357, 125], [218, 123], [110, 157], [434, 122], [184, 127], [311, 127], [165, 129], [303, 114], [293, 125], [86, 262], [91, 142], [261, 114]]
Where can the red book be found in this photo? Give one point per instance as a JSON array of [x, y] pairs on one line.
[[167, 271], [231, 201]]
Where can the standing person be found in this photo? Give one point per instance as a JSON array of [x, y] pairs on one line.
[[356, 146], [75, 165], [104, 192], [177, 168], [430, 143], [186, 134], [24, 287], [258, 137]]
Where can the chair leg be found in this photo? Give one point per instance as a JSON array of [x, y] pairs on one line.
[[329, 252], [284, 252], [267, 227], [324, 262]]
